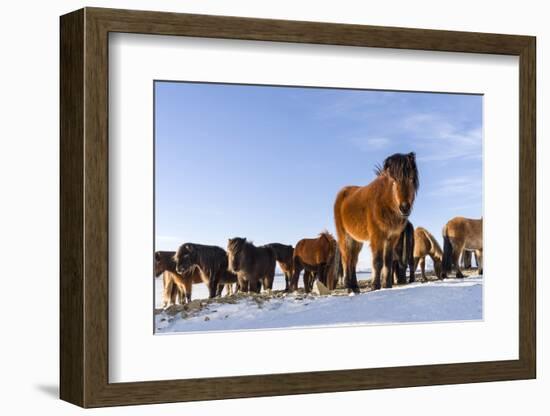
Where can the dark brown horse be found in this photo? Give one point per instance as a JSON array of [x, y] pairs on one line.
[[252, 265], [316, 257], [283, 255], [461, 234], [403, 256], [376, 213], [211, 261]]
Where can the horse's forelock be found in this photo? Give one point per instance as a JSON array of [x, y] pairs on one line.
[[236, 244], [400, 167]]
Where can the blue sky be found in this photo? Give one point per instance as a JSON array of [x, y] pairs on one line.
[[267, 162]]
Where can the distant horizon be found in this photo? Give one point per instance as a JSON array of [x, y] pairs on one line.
[[266, 162]]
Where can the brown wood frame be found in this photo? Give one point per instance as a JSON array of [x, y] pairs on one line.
[[84, 208]]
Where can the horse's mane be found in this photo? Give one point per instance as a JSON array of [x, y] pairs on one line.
[[327, 235], [433, 241], [400, 167]]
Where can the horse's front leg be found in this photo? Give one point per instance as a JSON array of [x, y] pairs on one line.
[[242, 283], [387, 267], [377, 263], [411, 270]]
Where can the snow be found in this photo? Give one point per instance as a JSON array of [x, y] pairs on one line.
[[435, 301]]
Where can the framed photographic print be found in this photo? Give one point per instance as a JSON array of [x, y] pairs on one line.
[[315, 207]]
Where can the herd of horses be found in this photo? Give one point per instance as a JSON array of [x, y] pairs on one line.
[[376, 213]]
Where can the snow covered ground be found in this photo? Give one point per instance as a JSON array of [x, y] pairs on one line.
[[448, 300]]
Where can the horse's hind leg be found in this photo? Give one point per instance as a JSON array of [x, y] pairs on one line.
[[479, 260], [307, 281], [456, 259], [350, 274]]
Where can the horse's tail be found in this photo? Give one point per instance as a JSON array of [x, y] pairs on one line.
[[447, 252], [340, 230], [333, 272]]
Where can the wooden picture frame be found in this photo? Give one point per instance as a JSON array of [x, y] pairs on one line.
[[84, 207]]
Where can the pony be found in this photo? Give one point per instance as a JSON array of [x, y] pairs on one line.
[[377, 213], [211, 262], [403, 256], [317, 257], [283, 255], [252, 265], [461, 234], [425, 244], [177, 287]]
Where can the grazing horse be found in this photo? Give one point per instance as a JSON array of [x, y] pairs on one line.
[[377, 213], [283, 255], [316, 256], [461, 234], [211, 262], [425, 244], [175, 285], [252, 265], [403, 256]]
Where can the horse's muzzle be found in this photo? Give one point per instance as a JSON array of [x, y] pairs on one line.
[[405, 209]]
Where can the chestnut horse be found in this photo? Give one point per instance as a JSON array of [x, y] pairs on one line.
[[461, 234], [403, 256], [176, 287], [377, 213], [316, 257], [425, 244], [283, 255]]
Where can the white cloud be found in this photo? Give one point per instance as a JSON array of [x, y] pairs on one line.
[[460, 186], [370, 143], [451, 140]]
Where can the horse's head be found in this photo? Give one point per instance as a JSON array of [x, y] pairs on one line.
[[185, 258], [234, 247], [401, 170], [163, 262]]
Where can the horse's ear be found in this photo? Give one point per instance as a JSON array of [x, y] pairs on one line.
[[412, 156]]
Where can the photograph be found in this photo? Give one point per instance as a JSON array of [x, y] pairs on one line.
[[280, 207]]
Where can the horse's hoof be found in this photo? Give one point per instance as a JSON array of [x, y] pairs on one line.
[[353, 291]]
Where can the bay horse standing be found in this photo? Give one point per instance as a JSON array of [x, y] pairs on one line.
[[211, 261], [376, 213], [316, 257], [283, 255], [252, 265], [461, 234], [403, 256], [425, 244]]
